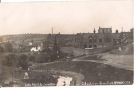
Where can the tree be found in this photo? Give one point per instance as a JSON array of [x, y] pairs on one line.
[[1, 49], [42, 58], [32, 58], [23, 61], [10, 60], [56, 50], [8, 47]]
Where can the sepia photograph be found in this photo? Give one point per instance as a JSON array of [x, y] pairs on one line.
[[66, 43]]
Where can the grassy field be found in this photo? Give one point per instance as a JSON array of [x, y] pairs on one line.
[[119, 61], [112, 68], [5, 71], [115, 60], [93, 72]]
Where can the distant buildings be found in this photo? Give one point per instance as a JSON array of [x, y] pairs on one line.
[[98, 39], [104, 38], [62, 40], [94, 40]]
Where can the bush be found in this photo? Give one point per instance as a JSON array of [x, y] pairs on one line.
[[1, 49], [23, 61], [32, 58], [42, 58], [8, 47], [10, 60]]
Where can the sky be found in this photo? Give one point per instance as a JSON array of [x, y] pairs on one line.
[[29, 0], [71, 16]]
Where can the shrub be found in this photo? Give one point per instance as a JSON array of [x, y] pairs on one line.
[[10, 60], [8, 47], [32, 58], [23, 61], [1, 49]]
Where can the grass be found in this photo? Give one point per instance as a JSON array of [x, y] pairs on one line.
[[93, 57], [93, 72], [126, 50]]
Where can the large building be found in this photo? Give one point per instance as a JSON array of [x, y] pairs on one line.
[[103, 38], [63, 40]]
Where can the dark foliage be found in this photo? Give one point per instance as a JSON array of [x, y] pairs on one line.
[[8, 47], [1, 49], [10, 60], [23, 61]]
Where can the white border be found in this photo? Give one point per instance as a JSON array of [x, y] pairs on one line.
[[95, 86]]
